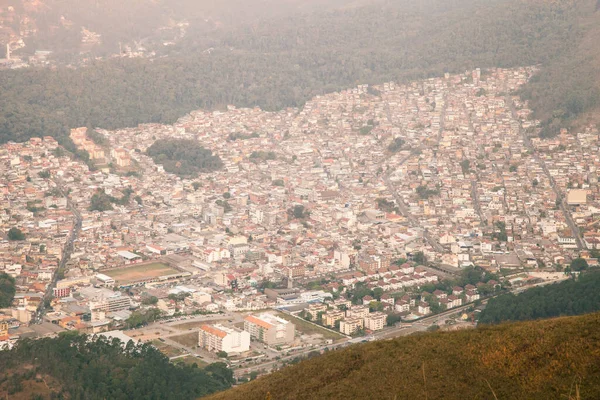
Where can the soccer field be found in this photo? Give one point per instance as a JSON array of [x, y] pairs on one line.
[[136, 272]]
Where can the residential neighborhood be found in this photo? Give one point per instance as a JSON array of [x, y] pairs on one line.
[[324, 221]]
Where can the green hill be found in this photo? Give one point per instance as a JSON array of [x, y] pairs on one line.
[[284, 59], [549, 359]]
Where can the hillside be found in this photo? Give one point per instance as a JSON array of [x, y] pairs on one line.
[[283, 59], [532, 360]]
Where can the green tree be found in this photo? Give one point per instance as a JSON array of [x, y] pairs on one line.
[[579, 264], [15, 234], [7, 290]]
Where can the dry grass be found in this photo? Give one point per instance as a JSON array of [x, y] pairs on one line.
[[137, 272], [550, 359], [188, 339]]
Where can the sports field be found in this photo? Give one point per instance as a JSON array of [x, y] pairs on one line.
[[135, 273]]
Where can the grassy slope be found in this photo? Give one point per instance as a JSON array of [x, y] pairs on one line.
[[532, 360]]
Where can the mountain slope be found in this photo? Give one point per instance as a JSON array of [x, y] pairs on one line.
[[533, 360]]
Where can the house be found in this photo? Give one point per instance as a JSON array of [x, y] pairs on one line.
[[424, 308]]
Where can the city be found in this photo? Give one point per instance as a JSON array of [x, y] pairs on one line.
[[327, 225]]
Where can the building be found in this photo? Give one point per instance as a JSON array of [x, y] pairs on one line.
[[351, 325], [577, 197], [101, 299], [220, 338], [270, 329], [61, 292], [105, 280], [375, 321], [330, 318]]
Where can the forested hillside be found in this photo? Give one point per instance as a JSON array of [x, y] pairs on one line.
[[283, 60], [81, 367], [550, 359], [572, 297]]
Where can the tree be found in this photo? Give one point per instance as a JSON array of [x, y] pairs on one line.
[[579, 264], [419, 257], [7, 290], [393, 319], [150, 300], [222, 354], [465, 165], [196, 185], [15, 234]]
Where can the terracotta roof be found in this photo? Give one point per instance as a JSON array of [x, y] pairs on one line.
[[213, 331], [258, 321]]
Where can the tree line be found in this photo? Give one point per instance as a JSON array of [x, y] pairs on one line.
[[573, 297], [184, 157], [89, 367], [291, 59]]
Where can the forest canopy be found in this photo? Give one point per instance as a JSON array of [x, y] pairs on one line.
[[572, 297], [282, 61], [99, 368], [184, 157], [7, 290]]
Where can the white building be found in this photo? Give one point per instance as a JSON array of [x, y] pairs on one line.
[[220, 338]]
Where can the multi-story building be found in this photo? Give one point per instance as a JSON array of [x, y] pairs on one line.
[[61, 292], [357, 312], [375, 321], [220, 338], [351, 325], [270, 329], [330, 318], [102, 299]]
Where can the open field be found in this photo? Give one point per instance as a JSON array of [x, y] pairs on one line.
[[190, 360], [136, 272], [166, 349], [309, 328], [187, 339], [186, 326]]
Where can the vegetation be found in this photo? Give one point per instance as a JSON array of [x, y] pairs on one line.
[[7, 290], [396, 145], [386, 205], [142, 318], [15, 234], [298, 212], [100, 201], [257, 156], [572, 297], [98, 368], [424, 192], [184, 157], [533, 360], [276, 62]]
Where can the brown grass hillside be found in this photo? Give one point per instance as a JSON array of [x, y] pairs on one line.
[[550, 359]]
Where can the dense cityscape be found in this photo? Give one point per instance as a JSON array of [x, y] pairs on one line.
[[321, 226]]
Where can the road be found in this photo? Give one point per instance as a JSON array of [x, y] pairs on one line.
[[563, 206], [476, 204], [406, 213], [66, 256]]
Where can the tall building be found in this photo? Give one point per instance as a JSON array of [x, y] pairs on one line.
[[351, 325], [270, 329], [375, 321], [101, 299], [220, 338]]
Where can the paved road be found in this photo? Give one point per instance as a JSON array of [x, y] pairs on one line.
[[406, 213], [563, 206], [66, 256]]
